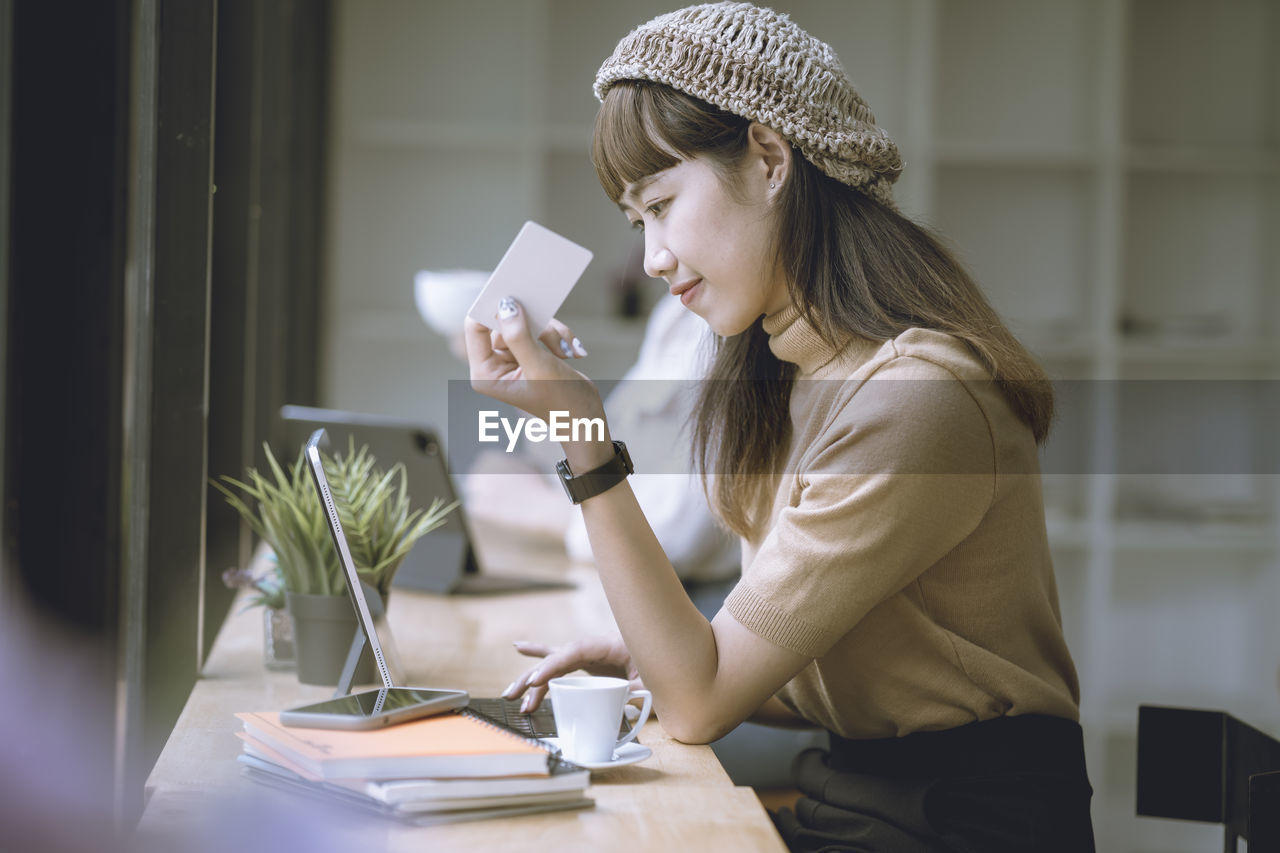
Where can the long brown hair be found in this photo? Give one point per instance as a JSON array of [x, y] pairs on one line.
[[854, 268]]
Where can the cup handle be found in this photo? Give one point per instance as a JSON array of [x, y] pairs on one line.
[[640, 721]]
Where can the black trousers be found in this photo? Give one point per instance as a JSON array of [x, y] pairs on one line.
[[998, 786]]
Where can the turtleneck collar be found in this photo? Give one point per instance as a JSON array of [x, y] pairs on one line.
[[794, 340]]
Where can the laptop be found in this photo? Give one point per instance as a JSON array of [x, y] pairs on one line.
[[372, 632], [444, 561]]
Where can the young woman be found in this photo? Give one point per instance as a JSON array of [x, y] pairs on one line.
[[870, 432]]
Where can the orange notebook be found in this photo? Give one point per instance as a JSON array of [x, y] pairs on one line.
[[447, 746]]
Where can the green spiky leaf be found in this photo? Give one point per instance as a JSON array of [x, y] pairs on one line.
[[374, 509]]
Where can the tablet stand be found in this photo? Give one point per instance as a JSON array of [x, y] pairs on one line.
[[353, 660], [378, 611]]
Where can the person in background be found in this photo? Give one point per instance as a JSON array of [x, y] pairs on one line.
[[870, 431]]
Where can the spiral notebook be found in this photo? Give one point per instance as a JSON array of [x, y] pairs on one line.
[[455, 745], [482, 766]]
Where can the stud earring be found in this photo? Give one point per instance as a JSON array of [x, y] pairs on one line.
[[773, 186]]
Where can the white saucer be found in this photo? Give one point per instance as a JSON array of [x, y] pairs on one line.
[[628, 753]]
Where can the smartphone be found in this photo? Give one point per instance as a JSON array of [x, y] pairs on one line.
[[373, 709], [539, 269]]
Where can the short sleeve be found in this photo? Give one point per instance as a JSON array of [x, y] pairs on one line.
[[899, 474]]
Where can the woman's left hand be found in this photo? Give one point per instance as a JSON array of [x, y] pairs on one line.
[[507, 364], [593, 655]]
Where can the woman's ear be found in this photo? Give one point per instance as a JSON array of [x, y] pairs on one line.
[[770, 155]]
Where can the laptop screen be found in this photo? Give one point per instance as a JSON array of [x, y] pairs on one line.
[[437, 562]]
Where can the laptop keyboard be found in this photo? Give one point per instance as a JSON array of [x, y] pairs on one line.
[[506, 713]]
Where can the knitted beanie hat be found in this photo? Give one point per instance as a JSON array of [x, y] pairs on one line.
[[755, 63]]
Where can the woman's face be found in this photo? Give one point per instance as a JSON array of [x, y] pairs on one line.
[[710, 243]]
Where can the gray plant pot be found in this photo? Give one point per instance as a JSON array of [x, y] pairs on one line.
[[323, 626]]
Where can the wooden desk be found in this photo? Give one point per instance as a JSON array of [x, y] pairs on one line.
[[679, 799]]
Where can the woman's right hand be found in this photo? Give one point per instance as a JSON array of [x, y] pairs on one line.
[[595, 655], [508, 364]]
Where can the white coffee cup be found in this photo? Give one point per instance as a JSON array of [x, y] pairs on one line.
[[588, 712]]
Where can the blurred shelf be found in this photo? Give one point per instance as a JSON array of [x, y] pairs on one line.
[[1194, 537], [405, 326], [1255, 708], [1190, 159], [408, 134], [426, 135], [1215, 351], [1070, 533], [387, 325], [1157, 536], [568, 139], [1059, 350], [997, 154]]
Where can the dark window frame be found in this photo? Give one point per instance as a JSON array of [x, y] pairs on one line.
[[127, 376]]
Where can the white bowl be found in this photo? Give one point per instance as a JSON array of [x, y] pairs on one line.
[[443, 297]]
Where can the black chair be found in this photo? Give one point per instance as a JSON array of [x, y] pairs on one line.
[[1209, 766]]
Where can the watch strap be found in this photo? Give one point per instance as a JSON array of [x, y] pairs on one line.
[[580, 487]]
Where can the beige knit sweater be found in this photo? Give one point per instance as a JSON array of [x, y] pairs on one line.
[[906, 550]]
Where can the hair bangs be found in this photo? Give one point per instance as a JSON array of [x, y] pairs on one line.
[[628, 144]]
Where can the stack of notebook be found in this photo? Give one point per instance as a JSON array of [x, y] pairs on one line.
[[440, 769]]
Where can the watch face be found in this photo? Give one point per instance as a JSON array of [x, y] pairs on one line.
[[565, 476], [621, 450]]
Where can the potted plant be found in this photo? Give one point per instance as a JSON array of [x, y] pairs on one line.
[[268, 585], [381, 527]]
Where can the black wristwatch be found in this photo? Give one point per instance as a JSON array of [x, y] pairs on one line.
[[579, 487]]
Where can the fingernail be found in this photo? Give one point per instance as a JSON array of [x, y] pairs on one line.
[[579, 348], [511, 688], [536, 675], [565, 348], [527, 705], [507, 308]]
